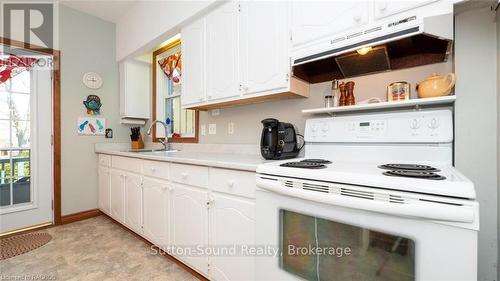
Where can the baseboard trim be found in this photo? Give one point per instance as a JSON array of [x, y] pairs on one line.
[[172, 258], [80, 216]]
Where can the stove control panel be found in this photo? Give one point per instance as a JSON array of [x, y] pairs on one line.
[[433, 126]]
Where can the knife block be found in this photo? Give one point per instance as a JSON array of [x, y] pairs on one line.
[[138, 144]]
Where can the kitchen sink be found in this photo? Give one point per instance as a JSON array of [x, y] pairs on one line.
[[158, 152], [150, 151]]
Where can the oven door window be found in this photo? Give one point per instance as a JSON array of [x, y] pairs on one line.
[[318, 250]]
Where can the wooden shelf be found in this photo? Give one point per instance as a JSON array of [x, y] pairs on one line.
[[381, 106]]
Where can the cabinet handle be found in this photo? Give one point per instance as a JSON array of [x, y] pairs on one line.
[[164, 188], [356, 17], [184, 176], [152, 169], [230, 183], [171, 188], [209, 97], [200, 98]]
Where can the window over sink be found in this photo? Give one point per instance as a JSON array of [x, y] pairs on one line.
[[182, 124]]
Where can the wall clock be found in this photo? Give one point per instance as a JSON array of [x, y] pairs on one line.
[[92, 80]]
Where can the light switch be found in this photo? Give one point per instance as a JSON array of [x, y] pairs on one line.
[[230, 128], [212, 129], [203, 129]]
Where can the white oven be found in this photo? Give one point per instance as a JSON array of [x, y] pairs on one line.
[[342, 215], [376, 242]]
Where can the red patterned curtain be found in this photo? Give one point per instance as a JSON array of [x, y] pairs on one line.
[[13, 65], [172, 66]]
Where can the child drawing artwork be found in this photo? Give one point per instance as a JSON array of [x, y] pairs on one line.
[[91, 126]]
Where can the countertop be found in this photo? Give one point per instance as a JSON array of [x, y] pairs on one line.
[[246, 162]]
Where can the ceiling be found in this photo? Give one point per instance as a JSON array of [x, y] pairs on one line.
[[105, 9]]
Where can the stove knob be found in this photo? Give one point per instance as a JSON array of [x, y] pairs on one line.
[[314, 128], [433, 124], [325, 127], [414, 124]]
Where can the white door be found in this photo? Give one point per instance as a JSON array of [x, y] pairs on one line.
[[104, 183], [232, 222], [312, 20], [117, 195], [133, 202], [189, 224], [26, 184], [384, 8], [155, 196], [193, 61], [223, 52], [264, 40]]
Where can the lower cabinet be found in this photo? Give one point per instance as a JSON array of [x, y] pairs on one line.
[[133, 202], [189, 224], [155, 210], [104, 185], [117, 195], [232, 223]]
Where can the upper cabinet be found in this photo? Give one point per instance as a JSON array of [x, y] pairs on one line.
[[135, 88], [222, 52], [242, 57], [385, 8], [315, 20], [193, 54], [264, 46]]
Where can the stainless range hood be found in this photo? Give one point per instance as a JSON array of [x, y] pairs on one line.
[[404, 43]]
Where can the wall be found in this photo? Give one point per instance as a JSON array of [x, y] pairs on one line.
[[87, 43], [148, 23], [247, 118], [498, 128], [476, 123]]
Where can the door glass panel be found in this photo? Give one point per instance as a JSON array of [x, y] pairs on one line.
[[317, 249], [15, 153], [21, 190]]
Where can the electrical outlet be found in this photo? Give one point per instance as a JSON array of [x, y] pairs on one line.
[[215, 112], [212, 129], [203, 129], [230, 128]]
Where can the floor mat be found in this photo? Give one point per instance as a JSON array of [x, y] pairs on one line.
[[19, 244]]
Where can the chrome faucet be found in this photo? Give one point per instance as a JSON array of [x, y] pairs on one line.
[[164, 142]]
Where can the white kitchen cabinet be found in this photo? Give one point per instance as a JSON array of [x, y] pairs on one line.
[[189, 223], [385, 8], [135, 85], [264, 59], [193, 60], [156, 210], [104, 185], [117, 195], [133, 202], [232, 222], [313, 20], [222, 55]]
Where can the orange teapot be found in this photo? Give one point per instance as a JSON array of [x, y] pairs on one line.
[[436, 85]]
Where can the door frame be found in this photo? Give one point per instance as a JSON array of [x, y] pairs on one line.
[[56, 118]]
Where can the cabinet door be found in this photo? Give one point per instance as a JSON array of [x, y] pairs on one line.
[[312, 20], [188, 223], [232, 222], [384, 8], [155, 196], [117, 195], [193, 61], [264, 40], [133, 202], [104, 184], [135, 85], [222, 52]]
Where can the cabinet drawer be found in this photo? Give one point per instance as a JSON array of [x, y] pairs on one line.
[[105, 160], [233, 182], [188, 174], [127, 164], [155, 169]]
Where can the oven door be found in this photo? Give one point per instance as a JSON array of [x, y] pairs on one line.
[[318, 241]]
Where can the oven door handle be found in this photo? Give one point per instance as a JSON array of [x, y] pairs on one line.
[[415, 208]]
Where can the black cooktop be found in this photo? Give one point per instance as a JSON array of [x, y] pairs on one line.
[[308, 164], [408, 167], [414, 174]]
